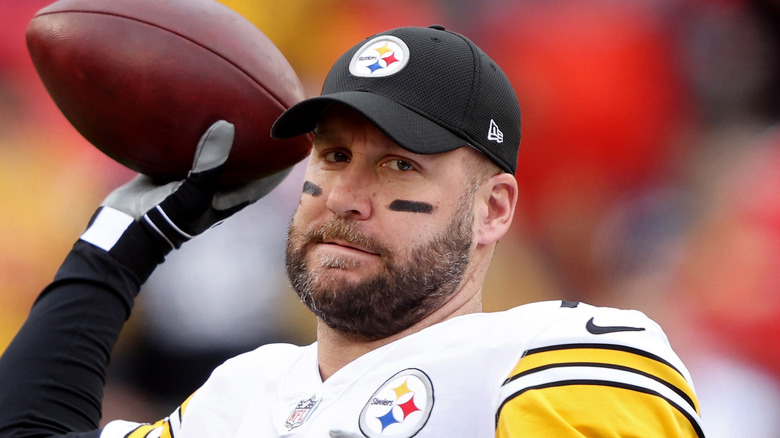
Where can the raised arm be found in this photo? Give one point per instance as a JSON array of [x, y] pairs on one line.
[[52, 374]]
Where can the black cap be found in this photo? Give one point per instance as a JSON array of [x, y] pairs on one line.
[[430, 90]]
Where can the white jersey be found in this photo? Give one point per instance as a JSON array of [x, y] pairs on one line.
[[542, 369]]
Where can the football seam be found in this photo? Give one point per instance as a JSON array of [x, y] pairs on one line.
[[239, 68]]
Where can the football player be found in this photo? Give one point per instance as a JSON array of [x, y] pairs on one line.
[[408, 188]]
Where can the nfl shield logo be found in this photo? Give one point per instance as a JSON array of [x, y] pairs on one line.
[[301, 412]]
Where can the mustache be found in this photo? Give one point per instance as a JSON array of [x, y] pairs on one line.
[[337, 228]]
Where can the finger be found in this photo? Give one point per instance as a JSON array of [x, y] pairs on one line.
[[214, 147]]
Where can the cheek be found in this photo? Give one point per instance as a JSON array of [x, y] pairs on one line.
[[410, 230], [310, 204]]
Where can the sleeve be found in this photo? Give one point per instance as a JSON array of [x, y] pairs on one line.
[[598, 372], [53, 371]]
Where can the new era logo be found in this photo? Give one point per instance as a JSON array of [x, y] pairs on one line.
[[495, 134]]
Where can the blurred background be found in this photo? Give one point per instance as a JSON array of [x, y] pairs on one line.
[[649, 171]]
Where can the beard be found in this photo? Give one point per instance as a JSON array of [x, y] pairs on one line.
[[402, 292]]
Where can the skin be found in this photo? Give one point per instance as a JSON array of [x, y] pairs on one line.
[[360, 173]]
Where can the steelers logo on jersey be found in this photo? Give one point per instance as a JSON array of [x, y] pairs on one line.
[[400, 407]]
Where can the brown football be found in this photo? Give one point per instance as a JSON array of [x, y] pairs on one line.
[[142, 80]]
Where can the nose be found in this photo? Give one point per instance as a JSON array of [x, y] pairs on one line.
[[349, 195]]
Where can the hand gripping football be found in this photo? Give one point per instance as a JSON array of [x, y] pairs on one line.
[[142, 80]]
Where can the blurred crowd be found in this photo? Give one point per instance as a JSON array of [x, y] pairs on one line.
[[649, 170]]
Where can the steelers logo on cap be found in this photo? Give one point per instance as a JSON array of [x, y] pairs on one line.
[[382, 56]]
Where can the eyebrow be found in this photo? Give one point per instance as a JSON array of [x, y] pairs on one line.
[[411, 206], [311, 189]]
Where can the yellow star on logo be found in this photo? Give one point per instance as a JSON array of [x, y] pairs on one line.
[[384, 49], [401, 389]]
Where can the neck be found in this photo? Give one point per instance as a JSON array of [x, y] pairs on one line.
[[336, 349]]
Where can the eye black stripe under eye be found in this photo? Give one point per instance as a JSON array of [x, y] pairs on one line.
[[311, 189], [411, 206]]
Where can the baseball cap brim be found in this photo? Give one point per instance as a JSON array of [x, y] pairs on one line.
[[405, 127]]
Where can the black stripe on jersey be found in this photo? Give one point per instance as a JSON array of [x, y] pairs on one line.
[[179, 416], [569, 304], [674, 388], [615, 347], [170, 428], [693, 421]]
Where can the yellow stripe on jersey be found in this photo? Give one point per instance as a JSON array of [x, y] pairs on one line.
[[615, 389], [638, 361], [589, 411], [163, 427]]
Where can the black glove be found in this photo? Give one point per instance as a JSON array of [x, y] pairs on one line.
[[140, 222]]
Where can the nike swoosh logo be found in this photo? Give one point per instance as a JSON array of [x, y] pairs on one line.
[[600, 330]]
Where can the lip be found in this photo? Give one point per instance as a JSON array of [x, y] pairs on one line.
[[350, 246]]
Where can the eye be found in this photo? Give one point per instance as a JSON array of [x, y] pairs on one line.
[[398, 164], [336, 157]]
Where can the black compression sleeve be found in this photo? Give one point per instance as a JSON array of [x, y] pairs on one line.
[[52, 374]]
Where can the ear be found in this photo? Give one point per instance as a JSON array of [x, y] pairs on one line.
[[498, 200]]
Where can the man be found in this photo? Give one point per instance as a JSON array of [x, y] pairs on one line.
[[408, 188]]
